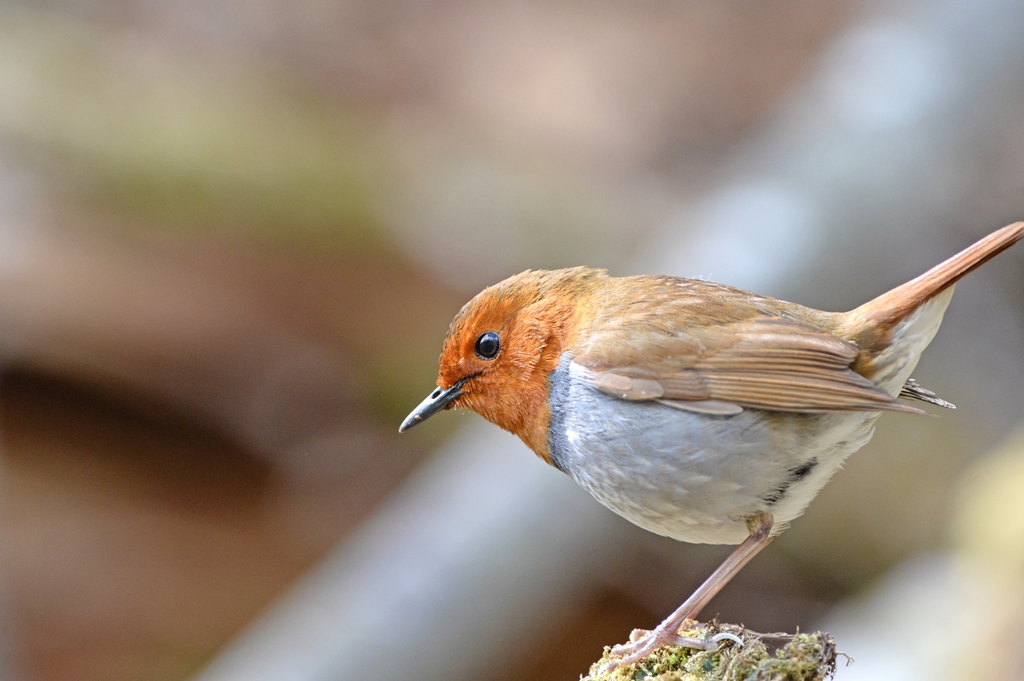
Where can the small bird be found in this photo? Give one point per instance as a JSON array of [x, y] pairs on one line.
[[695, 410]]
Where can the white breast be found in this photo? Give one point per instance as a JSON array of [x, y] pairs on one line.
[[695, 477]]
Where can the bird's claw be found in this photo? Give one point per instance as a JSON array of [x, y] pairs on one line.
[[726, 636], [642, 643], [635, 636]]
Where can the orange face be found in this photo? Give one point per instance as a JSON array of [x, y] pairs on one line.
[[500, 350]]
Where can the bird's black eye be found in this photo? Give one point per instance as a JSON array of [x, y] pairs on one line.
[[487, 345]]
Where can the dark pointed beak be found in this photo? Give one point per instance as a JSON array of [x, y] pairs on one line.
[[435, 402]]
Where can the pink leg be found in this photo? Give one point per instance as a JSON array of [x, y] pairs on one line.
[[760, 527]]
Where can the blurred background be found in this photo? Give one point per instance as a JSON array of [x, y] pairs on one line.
[[232, 235]]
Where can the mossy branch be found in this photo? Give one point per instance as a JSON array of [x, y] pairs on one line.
[[796, 657]]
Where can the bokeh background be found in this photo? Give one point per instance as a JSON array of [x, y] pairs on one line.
[[232, 235]]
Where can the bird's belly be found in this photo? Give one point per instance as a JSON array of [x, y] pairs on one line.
[[696, 477]]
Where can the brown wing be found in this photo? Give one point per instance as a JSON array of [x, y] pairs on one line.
[[762, 362]]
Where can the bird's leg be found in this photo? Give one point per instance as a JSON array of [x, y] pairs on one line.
[[666, 633]]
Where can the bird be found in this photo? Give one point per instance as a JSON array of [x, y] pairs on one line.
[[695, 410]]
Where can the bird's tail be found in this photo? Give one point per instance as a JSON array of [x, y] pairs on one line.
[[893, 329], [893, 307]]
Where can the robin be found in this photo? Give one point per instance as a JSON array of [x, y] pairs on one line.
[[695, 410]]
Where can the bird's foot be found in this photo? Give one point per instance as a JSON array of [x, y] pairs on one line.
[[642, 643]]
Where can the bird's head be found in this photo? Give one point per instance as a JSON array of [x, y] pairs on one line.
[[502, 347]]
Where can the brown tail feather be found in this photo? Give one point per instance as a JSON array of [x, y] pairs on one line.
[[892, 307]]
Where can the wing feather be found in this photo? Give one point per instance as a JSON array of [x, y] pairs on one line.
[[764, 363]]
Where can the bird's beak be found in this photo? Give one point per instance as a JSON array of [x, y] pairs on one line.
[[435, 402]]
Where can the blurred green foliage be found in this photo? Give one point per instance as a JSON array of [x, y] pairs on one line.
[[186, 141]]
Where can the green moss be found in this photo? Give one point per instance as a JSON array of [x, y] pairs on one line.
[[802, 657]]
